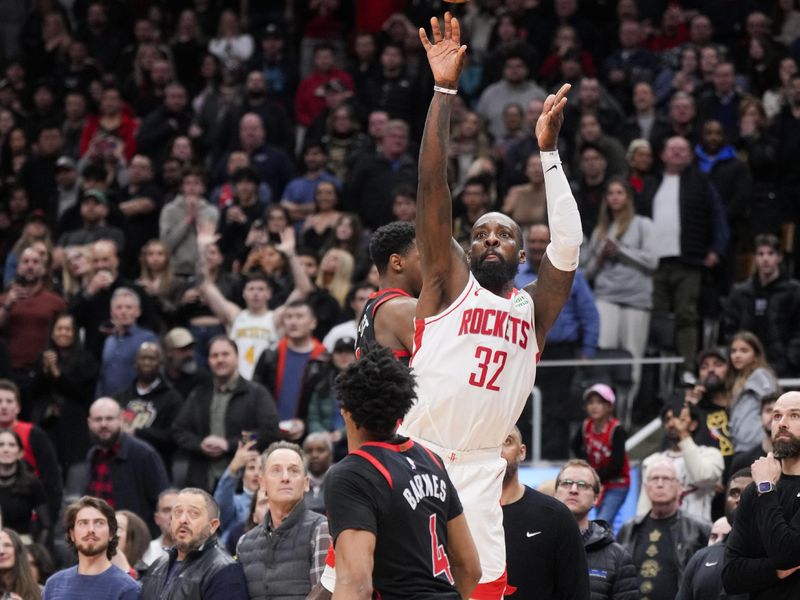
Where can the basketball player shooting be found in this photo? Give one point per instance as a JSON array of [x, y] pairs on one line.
[[477, 338]]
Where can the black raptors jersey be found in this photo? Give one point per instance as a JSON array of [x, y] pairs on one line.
[[365, 338], [401, 493]]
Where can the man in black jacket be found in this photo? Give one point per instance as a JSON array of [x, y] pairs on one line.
[[690, 232], [762, 552], [150, 404], [213, 420], [768, 304], [662, 540], [612, 574], [702, 579], [544, 548], [196, 567], [122, 470]]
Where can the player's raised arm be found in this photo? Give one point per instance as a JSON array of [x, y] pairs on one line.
[[557, 269], [444, 270]]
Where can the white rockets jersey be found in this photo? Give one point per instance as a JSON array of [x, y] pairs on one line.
[[253, 334], [475, 364]]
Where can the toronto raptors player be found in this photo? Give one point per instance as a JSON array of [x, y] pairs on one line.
[[477, 338], [388, 318]]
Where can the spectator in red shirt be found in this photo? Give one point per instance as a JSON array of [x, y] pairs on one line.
[[27, 310], [310, 98]]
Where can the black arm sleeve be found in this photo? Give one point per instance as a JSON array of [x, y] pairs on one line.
[[614, 468]]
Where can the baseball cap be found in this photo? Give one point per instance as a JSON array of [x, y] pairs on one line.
[[345, 344], [178, 337], [37, 215], [715, 351], [272, 30], [65, 162], [95, 195], [602, 390]]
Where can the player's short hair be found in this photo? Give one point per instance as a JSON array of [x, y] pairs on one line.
[[377, 390], [397, 237]]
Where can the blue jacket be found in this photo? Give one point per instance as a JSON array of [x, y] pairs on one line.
[[579, 320], [233, 507]]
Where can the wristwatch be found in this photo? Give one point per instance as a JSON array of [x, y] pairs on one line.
[[765, 487]]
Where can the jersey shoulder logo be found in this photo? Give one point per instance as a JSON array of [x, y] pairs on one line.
[[411, 463], [520, 300]]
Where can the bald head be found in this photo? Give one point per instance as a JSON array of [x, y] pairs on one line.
[[104, 256], [104, 421]]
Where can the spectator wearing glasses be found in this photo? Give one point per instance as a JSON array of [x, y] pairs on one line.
[[662, 540], [612, 573]]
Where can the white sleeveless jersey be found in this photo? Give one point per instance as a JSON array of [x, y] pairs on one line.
[[475, 364], [253, 334]]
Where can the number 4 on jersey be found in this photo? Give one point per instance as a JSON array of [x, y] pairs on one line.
[[441, 565]]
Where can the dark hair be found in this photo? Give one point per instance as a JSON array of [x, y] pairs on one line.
[[483, 182], [94, 172], [42, 560], [71, 513], [357, 287], [245, 174], [10, 386], [768, 398], [314, 143], [21, 582], [405, 190], [768, 239], [253, 276], [394, 238], [323, 46], [591, 146], [194, 171], [745, 472], [211, 505], [694, 414], [223, 338], [377, 391], [137, 537], [396, 46]]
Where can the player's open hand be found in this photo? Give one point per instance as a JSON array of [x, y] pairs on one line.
[[446, 54], [551, 119]]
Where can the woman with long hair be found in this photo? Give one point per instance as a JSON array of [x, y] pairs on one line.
[[468, 142], [336, 274], [348, 234], [318, 227], [134, 538], [76, 271], [21, 493], [750, 379], [157, 278], [16, 575], [620, 261], [230, 45], [62, 390]]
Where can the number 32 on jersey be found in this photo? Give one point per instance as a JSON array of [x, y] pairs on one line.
[[490, 365]]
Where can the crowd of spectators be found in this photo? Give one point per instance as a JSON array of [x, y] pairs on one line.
[[187, 191]]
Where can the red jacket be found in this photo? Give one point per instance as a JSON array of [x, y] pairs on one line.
[[310, 98], [126, 132]]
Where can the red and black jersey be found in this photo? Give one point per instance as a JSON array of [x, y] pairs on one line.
[[401, 493], [365, 337]]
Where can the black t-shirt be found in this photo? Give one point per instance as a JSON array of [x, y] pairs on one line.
[[365, 338], [545, 553], [659, 573], [402, 494]]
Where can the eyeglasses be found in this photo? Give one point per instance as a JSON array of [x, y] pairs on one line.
[[660, 479], [567, 484]]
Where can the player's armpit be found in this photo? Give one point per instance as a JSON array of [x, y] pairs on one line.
[[464, 561], [355, 557], [549, 293]]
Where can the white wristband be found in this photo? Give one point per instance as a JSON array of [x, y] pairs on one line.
[[444, 90]]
